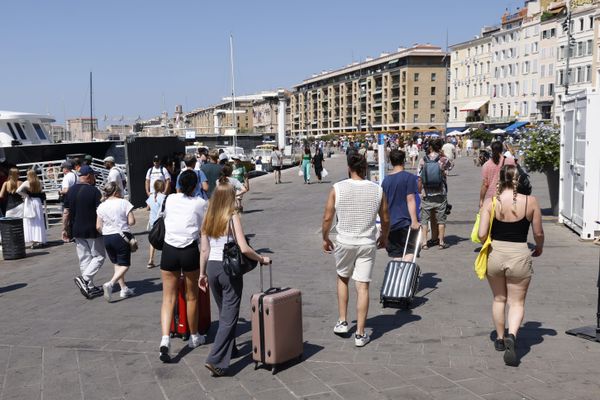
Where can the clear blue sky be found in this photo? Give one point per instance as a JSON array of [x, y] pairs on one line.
[[142, 52]]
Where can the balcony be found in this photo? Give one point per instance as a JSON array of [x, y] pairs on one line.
[[498, 120]]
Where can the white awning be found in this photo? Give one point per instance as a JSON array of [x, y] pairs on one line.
[[474, 105]]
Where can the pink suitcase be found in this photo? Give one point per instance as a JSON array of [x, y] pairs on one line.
[[276, 325]]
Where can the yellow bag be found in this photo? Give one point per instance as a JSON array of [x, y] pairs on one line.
[[475, 231], [482, 258]]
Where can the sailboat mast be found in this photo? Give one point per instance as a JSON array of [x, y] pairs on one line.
[[233, 116], [91, 107]]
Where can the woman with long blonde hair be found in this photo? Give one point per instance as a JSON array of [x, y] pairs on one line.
[[14, 201], [34, 224], [221, 225], [509, 267]]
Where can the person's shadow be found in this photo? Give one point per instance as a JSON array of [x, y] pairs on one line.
[[10, 288], [384, 323], [530, 334]]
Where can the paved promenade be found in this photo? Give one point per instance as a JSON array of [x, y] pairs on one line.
[[54, 344]]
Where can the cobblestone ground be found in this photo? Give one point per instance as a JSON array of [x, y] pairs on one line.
[[54, 344]]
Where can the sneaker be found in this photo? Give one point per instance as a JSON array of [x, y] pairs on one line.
[[196, 340], [510, 355], [107, 288], [125, 293], [215, 371], [361, 340], [165, 346], [95, 291], [82, 285], [499, 345], [341, 327]]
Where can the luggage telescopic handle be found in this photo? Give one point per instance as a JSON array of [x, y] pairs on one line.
[[260, 266], [417, 244]]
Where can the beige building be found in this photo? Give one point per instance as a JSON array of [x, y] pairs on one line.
[[59, 134], [405, 90], [80, 129], [596, 56], [218, 119], [470, 80], [549, 28]]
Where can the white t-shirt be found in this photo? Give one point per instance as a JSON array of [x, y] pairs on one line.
[[183, 219], [448, 150], [276, 157], [69, 180], [469, 143], [235, 183], [114, 175], [157, 174], [216, 248], [113, 213]]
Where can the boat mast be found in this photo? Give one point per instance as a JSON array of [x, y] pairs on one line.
[[91, 107], [233, 117]]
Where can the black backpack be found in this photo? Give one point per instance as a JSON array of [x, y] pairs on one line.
[[432, 176]]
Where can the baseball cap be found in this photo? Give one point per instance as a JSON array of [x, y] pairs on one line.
[[85, 170], [109, 159], [67, 164], [88, 157], [156, 158]]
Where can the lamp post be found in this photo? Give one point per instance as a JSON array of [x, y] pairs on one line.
[[570, 44]]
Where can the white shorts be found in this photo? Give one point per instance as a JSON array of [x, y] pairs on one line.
[[355, 261]]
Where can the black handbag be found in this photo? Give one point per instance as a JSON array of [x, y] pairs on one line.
[[156, 236], [235, 263], [524, 185]]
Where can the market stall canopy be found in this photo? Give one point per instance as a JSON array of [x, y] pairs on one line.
[[498, 131], [468, 130], [516, 125], [455, 133], [474, 105]]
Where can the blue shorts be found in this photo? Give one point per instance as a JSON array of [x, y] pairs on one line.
[[118, 249]]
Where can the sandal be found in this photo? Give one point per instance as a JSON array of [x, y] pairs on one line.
[[444, 245], [425, 247]]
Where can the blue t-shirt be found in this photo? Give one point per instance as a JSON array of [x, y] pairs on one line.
[[155, 207], [201, 178], [396, 187]]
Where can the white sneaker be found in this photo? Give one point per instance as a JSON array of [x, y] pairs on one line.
[[341, 327], [107, 288], [165, 346], [196, 340], [361, 340], [127, 292]]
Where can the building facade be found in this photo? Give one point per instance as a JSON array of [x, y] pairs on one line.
[[218, 119], [405, 90], [80, 129]]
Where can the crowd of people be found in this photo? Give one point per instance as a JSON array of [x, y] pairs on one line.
[[407, 202]]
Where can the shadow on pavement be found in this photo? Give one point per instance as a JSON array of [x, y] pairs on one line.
[[37, 253], [252, 211], [145, 286], [530, 334], [453, 240], [384, 323], [10, 288]]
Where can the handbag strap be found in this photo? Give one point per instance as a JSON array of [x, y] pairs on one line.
[[492, 216], [231, 231]]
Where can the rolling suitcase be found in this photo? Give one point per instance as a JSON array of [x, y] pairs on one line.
[[179, 324], [401, 279], [276, 325]]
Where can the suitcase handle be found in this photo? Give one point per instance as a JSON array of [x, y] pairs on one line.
[[417, 245], [260, 267]]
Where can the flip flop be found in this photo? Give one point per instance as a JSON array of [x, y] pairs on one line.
[[443, 246], [424, 247]]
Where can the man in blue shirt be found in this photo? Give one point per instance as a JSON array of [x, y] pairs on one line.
[[400, 188], [202, 188]]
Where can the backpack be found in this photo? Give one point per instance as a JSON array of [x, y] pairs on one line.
[[432, 176]]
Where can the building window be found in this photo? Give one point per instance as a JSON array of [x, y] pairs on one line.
[[416, 104], [433, 90], [433, 77], [416, 91], [455, 95], [542, 90], [455, 112], [551, 89], [579, 76], [589, 48], [588, 73], [416, 77], [415, 117], [581, 24], [431, 117]]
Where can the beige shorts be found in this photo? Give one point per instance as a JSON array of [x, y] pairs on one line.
[[355, 261], [509, 259]]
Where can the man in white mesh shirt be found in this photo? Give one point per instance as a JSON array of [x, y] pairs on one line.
[[355, 202]]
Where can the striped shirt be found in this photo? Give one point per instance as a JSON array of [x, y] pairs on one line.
[[357, 204]]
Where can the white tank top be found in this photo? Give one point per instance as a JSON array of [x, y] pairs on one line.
[[216, 248]]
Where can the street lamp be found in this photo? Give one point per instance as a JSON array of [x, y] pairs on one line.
[[570, 44]]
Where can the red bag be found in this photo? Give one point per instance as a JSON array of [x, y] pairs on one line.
[[179, 324]]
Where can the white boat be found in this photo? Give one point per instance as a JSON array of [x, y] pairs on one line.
[[19, 128]]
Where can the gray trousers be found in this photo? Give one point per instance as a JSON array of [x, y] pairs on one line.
[[91, 254], [227, 292]]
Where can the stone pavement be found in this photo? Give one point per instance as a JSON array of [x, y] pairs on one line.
[[54, 344]]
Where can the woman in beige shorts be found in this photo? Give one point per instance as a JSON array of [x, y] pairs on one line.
[[509, 264]]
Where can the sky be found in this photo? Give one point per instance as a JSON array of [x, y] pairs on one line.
[[147, 56]]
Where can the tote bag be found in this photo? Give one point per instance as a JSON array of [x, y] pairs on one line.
[[482, 258]]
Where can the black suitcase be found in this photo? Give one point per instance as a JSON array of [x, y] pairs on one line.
[[401, 279]]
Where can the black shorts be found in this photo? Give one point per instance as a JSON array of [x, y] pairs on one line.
[[276, 167], [118, 249], [397, 241], [186, 259]]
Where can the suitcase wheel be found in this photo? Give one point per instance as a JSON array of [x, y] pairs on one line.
[[171, 335], [404, 304], [384, 304], [274, 370], [255, 365], [185, 336]]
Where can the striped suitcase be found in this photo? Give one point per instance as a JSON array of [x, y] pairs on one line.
[[401, 280]]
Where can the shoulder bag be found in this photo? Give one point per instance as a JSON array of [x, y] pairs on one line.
[[235, 263], [482, 258], [156, 236]]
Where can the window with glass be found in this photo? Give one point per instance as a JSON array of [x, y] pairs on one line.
[[551, 89], [416, 77], [39, 131], [432, 104], [20, 130], [416, 104], [415, 117], [433, 90], [431, 117], [433, 77], [416, 90], [12, 131]]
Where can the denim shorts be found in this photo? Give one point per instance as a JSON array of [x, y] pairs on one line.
[[118, 249]]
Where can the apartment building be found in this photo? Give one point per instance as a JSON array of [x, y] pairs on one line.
[[470, 80], [596, 56], [218, 119], [405, 90], [549, 28], [80, 129], [579, 74]]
